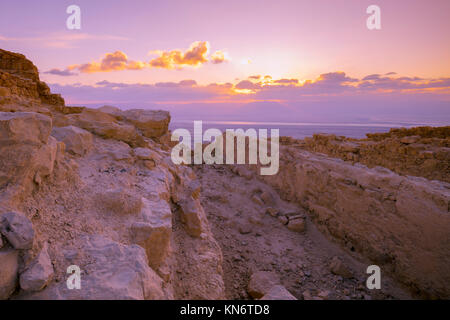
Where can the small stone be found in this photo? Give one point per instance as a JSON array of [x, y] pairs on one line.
[[307, 295], [17, 229], [278, 292], [255, 220], [267, 198], [237, 257], [149, 164], [261, 282], [272, 211], [297, 225], [337, 267], [409, 139], [283, 219], [244, 229], [324, 294], [256, 199]]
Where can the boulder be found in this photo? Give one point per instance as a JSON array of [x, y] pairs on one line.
[[9, 266], [17, 229], [261, 282], [152, 123], [27, 150], [77, 140], [114, 272], [39, 273], [24, 128], [278, 292], [106, 126]]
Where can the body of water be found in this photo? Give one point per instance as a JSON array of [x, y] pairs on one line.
[[296, 130]]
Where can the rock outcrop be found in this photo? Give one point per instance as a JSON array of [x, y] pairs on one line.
[[20, 84], [401, 223], [93, 189], [421, 151], [96, 190]]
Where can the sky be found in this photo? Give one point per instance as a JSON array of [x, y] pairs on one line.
[[286, 60]]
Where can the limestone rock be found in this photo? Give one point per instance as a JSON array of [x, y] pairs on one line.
[[106, 126], [17, 64], [24, 128], [193, 216], [391, 219], [261, 282], [154, 233], [27, 151], [152, 123], [77, 140], [9, 266], [17, 229], [115, 272], [39, 273], [278, 292]]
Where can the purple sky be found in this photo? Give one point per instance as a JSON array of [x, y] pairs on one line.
[[323, 63]]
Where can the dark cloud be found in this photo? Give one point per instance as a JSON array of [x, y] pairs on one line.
[[62, 73], [248, 85]]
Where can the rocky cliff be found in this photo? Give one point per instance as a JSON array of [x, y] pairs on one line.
[[95, 189]]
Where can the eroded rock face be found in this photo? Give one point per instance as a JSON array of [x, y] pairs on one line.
[[17, 64], [93, 182], [19, 79], [421, 151], [9, 267], [401, 223]]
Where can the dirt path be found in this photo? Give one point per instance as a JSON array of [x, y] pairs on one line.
[[253, 240]]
